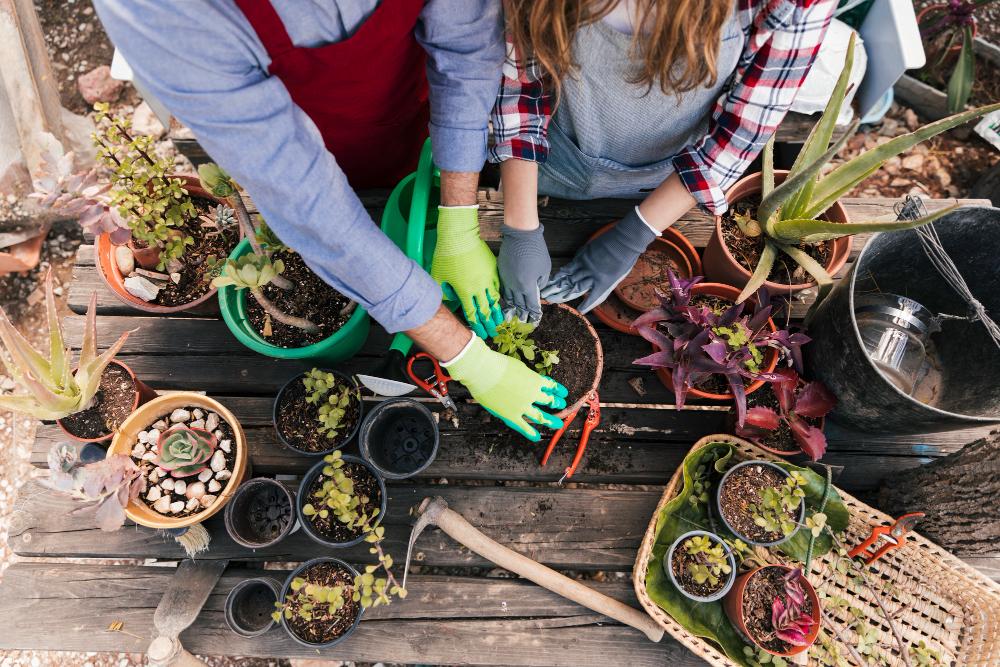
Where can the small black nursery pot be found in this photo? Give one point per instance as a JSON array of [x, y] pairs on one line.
[[399, 437], [261, 513], [329, 532], [250, 604]]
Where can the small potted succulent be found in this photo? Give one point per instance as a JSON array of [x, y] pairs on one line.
[[399, 437], [250, 606], [192, 453], [761, 503], [318, 411], [341, 501], [261, 513], [701, 565], [787, 416], [776, 608], [89, 403], [709, 347]]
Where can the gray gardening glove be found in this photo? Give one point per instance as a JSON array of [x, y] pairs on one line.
[[601, 264], [524, 266]]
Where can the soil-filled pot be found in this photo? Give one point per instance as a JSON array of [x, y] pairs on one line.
[[250, 604], [329, 532], [191, 285], [721, 266], [748, 606], [399, 437], [261, 513], [741, 487], [677, 558], [962, 389], [220, 477], [297, 422], [726, 293], [671, 246], [780, 441], [324, 572], [120, 394], [241, 315]]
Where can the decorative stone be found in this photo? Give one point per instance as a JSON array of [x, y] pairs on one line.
[[214, 486], [124, 259], [162, 505], [223, 475], [207, 500], [180, 486], [155, 276], [177, 506], [154, 494], [205, 475], [153, 476], [161, 472], [141, 288], [152, 436], [192, 504], [218, 461], [226, 446], [144, 121], [98, 86], [211, 421], [138, 450], [219, 435], [180, 415], [142, 437], [196, 423], [195, 490], [198, 413], [149, 456], [168, 484], [175, 278], [160, 425]]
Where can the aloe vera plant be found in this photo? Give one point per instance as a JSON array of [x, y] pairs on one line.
[[789, 213], [49, 387]]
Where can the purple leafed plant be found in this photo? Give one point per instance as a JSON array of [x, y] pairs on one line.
[[788, 618], [109, 484], [695, 342], [813, 400]]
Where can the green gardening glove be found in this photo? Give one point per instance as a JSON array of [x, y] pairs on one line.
[[507, 388], [467, 269]]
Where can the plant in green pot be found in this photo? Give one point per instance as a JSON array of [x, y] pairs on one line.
[[291, 312], [787, 230]]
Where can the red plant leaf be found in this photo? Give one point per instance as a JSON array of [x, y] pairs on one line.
[[764, 418], [784, 388], [793, 636], [809, 438], [815, 400]]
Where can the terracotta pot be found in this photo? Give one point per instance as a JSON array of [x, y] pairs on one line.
[[160, 408], [644, 298], [108, 267], [722, 267], [733, 604], [614, 312], [147, 258], [599, 351], [24, 256], [771, 355], [777, 452], [942, 7], [143, 394]]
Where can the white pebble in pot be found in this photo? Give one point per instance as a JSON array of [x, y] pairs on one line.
[[177, 506], [194, 490], [207, 500], [197, 423], [205, 475], [138, 450], [214, 486], [168, 484], [218, 461], [160, 426], [179, 415], [226, 446], [198, 414], [154, 494], [211, 422], [162, 505], [223, 475], [142, 437], [180, 486], [192, 504]]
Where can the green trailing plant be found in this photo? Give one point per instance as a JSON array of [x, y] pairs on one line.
[[48, 386], [789, 215], [770, 512], [336, 497], [109, 484], [924, 656], [155, 206], [514, 339], [323, 389], [708, 560], [184, 451]]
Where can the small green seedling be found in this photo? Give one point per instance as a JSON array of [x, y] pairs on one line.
[[709, 562], [514, 339], [771, 513], [332, 397]]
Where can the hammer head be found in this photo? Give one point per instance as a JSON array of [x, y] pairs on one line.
[[427, 512]]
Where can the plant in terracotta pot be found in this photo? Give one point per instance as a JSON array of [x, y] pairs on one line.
[[90, 402], [341, 501], [786, 417], [701, 565], [761, 503], [707, 345], [776, 608], [318, 411], [784, 228]]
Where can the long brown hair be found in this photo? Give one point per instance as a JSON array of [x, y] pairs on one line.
[[675, 43]]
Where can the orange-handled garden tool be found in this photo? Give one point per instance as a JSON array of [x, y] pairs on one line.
[[435, 384], [894, 537], [593, 419]]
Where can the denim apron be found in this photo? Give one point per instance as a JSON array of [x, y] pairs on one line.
[[612, 138]]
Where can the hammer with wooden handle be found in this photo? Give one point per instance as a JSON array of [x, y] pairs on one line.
[[435, 511]]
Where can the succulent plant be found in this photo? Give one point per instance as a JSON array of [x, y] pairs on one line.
[[215, 179], [332, 397], [788, 618], [184, 451], [224, 216], [770, 512], [109, 484], [51, 390], [709, 560]]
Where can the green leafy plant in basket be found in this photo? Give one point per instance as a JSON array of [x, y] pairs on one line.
[[789, 215]]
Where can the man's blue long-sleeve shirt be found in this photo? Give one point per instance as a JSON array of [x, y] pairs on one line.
[[203, 60]]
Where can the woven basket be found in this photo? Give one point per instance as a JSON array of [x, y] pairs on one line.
[[932, 595]]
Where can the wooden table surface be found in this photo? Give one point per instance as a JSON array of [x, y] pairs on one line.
[[486, 473]]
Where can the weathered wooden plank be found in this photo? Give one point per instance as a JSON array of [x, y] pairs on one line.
[[444, 620]]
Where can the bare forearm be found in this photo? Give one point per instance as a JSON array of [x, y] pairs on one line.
[[442, 336], [458, 188], [665, 205], [520, 193]]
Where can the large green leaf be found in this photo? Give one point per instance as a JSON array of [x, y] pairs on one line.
[[964, 75], [761, 272], [837, 516], [814, 231], [812, 267], [767, 169]]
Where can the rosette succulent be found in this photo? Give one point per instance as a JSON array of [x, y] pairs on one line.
[[185, 451]]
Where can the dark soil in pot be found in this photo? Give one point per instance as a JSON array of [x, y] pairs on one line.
[[781, 438], [364, 484], [758, 597], [747, 251], [321, 630], [743, 488], [310, 298], [298, 421], [679, 564], [114, 401], [562, 330]]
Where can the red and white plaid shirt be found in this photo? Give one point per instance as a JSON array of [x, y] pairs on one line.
[[782, 38]]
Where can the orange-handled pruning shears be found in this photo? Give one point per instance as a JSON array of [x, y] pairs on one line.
[[593, 419], [894, 537], [435, 384]]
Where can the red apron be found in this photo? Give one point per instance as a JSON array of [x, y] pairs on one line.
[[367, 94]]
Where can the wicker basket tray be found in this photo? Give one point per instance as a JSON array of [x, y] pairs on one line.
[[933, 596]]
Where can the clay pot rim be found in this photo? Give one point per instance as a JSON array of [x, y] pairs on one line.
[[838, 258], [286, 588], [718, 503], [349, 379], [142, 390], [108, 267], [810, 592], [731, 293], [570, 409]]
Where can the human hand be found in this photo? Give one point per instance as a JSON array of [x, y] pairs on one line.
[[524, 267]]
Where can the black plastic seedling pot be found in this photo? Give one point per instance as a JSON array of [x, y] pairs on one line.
[[250, 604], [338, 443], [965, 358], [261, 513], [287, 588], [399, 437], [303, 499]]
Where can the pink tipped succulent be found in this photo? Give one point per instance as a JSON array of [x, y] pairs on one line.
[[791, 624], [814, 400], [184, 451]]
